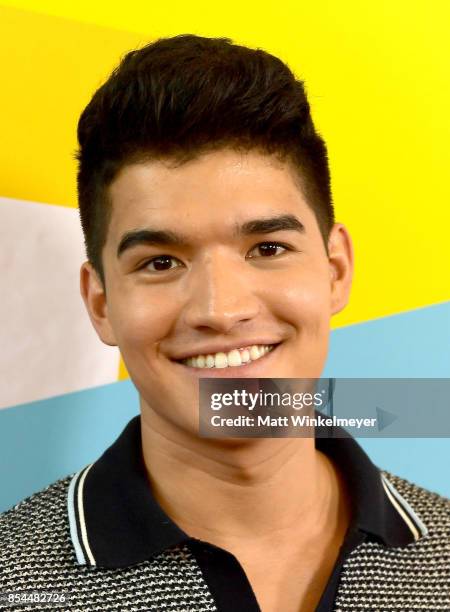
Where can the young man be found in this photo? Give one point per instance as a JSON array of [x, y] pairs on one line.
[[205, 201]]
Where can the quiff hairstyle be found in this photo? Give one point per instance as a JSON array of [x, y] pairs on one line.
[[177, 98]]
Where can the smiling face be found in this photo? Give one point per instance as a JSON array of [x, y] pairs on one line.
[[215, 267]]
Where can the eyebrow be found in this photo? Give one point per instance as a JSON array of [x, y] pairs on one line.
[[271, 224], [151, 237], [155, 237]]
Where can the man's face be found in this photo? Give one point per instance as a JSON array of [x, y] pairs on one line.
[[216, 262]]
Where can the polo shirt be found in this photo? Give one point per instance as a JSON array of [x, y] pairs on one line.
[[101, 537]]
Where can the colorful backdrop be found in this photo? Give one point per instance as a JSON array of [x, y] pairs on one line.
[[377, 78]]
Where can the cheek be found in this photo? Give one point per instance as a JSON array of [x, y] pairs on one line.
[[141, 322], [303, 299], [304, 306]]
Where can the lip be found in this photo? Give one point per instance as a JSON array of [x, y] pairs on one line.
[[254, 369], [224, 347]]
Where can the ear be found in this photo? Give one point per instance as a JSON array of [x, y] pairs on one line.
[[340, 256], [94, 297]]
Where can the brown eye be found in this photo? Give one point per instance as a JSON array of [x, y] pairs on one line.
[[161, 263], [268, 249]]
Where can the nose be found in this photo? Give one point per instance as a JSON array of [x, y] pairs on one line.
[[221, 295]]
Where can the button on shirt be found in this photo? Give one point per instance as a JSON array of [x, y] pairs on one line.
[[115, 521]]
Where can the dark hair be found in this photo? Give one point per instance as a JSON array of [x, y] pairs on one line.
[[179, 97]]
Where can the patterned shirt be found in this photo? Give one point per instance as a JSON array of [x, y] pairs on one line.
[[100, 538]]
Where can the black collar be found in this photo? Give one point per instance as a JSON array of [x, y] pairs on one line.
[[116, 522]]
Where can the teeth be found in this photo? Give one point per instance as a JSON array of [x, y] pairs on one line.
[[245, 356], [220, 360], [255, 353], [200, 361], [234, 358]]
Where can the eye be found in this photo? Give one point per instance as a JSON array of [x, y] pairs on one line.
[[268, 249], [162, 263]]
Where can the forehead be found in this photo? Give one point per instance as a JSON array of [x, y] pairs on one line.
[[207, 195]]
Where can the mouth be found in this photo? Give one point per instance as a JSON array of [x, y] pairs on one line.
[[234, 359]]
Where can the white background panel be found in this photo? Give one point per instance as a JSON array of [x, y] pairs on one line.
[[47, 344]]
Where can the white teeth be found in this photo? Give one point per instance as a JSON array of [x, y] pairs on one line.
[[199, 361], [220, 360], [233, 358], [245, 356], [254, 352]]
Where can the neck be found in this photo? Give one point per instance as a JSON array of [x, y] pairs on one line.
[[242, 490]]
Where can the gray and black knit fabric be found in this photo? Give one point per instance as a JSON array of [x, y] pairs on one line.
[[36, 554], [405, 579]]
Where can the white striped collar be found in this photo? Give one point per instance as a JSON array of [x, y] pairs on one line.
[[115, 521]]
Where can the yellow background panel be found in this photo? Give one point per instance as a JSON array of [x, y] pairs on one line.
[[377, 77], [123, 372]]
